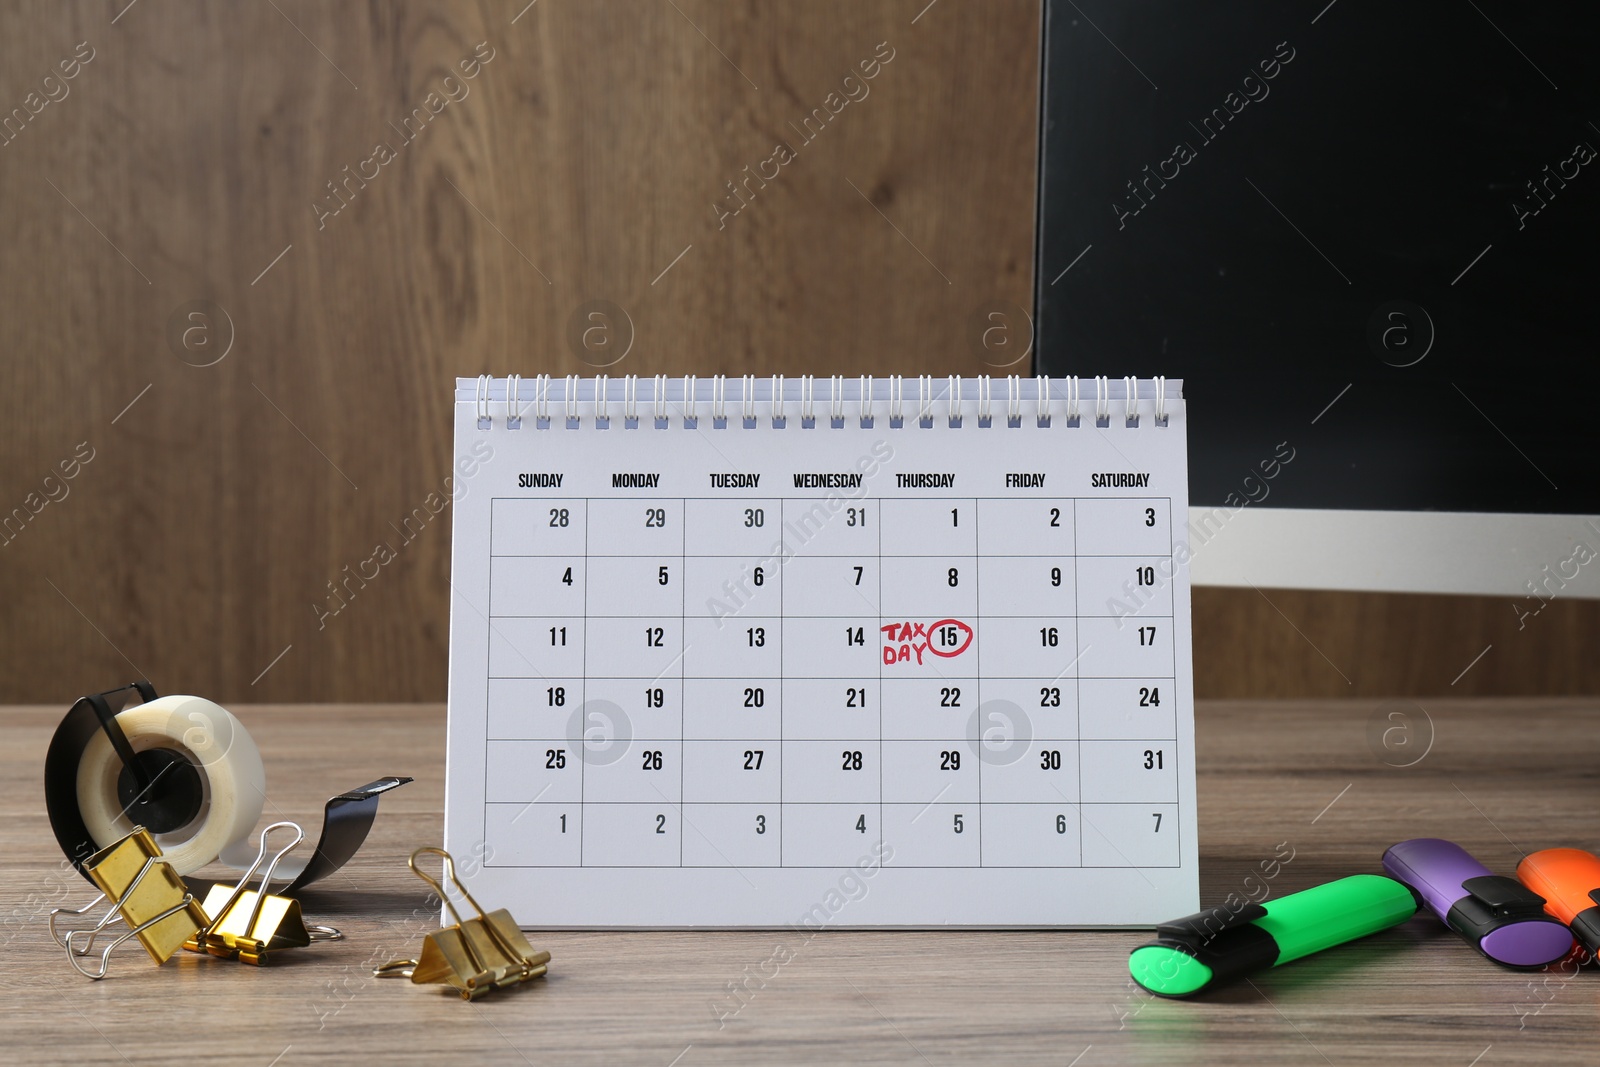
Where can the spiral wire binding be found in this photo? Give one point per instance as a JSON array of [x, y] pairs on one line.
[[483, 401], [514, 402], [1069, 392]]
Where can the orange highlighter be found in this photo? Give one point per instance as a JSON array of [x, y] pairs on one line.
[[1569, 881]]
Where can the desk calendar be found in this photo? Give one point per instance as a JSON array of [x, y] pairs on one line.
[[837, 652]]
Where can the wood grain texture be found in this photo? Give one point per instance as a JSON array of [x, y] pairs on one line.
[[1288, 643], [589, 160], [1304, 777], [593, 150]]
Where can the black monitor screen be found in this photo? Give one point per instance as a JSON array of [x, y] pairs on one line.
[[1367, 233]]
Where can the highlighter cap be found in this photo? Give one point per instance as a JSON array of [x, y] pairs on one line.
[[1435, 869], [1169, 971], [1499, 916], [1203, 949], [1569, 880]]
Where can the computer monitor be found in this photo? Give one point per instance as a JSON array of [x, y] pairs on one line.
[[1364, 235]]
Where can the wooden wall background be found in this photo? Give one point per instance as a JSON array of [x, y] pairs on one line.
[[584, 164]]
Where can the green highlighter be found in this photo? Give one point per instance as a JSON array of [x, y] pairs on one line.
[[1211, 947]]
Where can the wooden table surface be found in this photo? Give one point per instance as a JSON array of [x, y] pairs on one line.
[[1333, 782]]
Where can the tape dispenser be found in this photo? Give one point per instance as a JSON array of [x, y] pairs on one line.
[[187, 772]]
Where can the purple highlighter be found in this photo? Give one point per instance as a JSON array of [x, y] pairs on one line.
[[1499, 916]]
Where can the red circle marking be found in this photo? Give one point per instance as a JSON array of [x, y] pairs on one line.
[[949, 622]]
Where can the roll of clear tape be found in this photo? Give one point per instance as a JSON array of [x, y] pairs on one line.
[[233, 780]]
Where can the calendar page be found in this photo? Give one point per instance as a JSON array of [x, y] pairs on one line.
[[822, 653]]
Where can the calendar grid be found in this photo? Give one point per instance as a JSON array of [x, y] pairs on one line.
[[1077, 680], [897, 555], [683, 685], [607, 804], [992, 677], [488, 653], [977, 682], [782, 708], [882, 834], [583, 697], [1172, 636], [852, 803]]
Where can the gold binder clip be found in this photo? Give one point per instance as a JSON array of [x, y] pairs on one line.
[[475, 955], [251, 924], [146, 894]]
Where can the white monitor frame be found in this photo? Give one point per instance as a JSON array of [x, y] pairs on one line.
[[1519, 556]]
